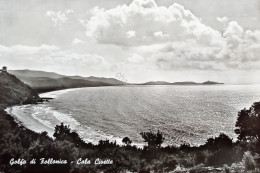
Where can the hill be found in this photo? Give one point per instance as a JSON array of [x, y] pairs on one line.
[[45, 84], [156, 83], [13, 91], [180, 83], [48, 81], [211, 83], [42, 81], [32, 73]]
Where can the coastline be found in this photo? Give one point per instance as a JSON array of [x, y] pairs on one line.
[[87, 133], [11, 122], [56, 93], [26, 120], [25, 115]]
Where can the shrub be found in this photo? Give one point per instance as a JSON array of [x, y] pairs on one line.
[[248, 161], [63, 133], [126, 141], [248, 123], [198, 168], [226, 168], [222, 141], [154, 140]]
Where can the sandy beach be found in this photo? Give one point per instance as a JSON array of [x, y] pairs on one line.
[[42, 117], [26, 119]]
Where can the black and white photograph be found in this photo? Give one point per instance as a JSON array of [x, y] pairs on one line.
[[129, 86]]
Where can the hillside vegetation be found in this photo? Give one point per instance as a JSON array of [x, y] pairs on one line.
[[13, 91]]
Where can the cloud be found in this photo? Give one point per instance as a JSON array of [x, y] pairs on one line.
[[237, 49], [160, 34], [130, 34], [175, 37], [136, 58], [150, 24], [59, 17], [77, 41], [223, 19], [53, 58]]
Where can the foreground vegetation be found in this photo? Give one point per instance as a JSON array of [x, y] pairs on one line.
[[219, 154]]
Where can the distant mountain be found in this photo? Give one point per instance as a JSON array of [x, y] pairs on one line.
[[211, 83], [111, 81], [33, 73], [180, 83], [185, 83], [156, 83], [42, 81], [48, 81], [13, 91]]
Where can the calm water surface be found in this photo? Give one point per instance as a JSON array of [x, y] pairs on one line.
[[183, 113]]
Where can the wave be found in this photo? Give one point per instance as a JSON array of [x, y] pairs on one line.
[[55, 94]]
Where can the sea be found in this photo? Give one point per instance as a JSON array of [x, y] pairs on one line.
[[184, 114]]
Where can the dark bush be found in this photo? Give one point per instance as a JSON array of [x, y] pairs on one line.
[[248, 123], [62, 132], [127, 141], [154, 140]]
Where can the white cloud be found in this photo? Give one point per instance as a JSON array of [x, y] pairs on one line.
[[130, 34], [151, 23], [175, 37], [143, 4], [160, 34], [59, 17], [53, 58], [77, 41], [223, 19], [237, 49]]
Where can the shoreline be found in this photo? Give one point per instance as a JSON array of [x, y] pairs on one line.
[[13, 111], [86, 133], [26, 119], [56, 93], [80, 129], [85, 129]]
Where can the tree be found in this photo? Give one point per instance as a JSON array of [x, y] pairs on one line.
[[248, 123], [220, 142], [154, 140], [127, 141], [62, 132]]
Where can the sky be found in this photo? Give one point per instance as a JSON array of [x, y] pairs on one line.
[[136, 41]]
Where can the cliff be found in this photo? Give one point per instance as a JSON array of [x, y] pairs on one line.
[[13, 91]]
